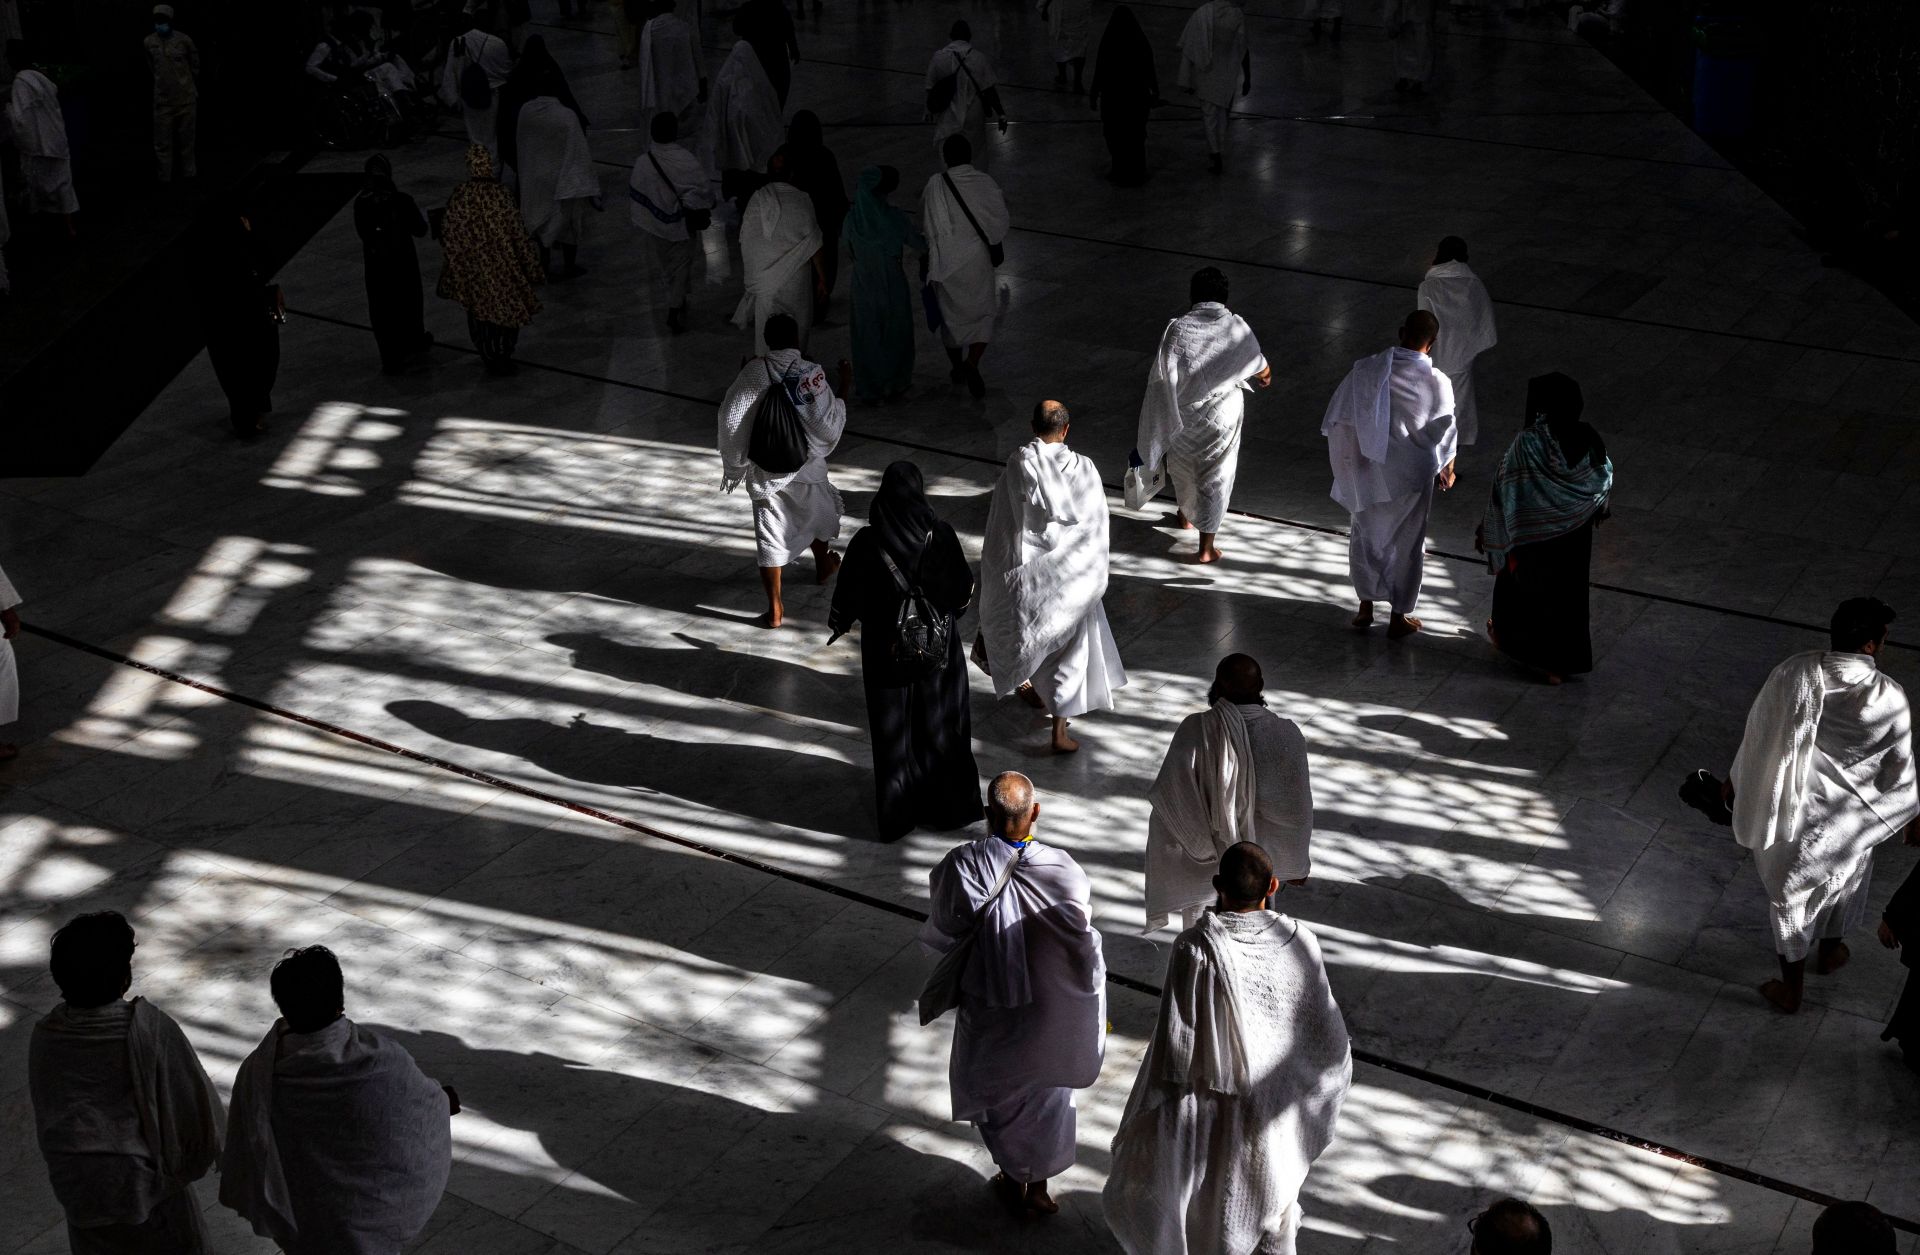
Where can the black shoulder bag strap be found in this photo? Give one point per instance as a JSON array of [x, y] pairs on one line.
[[994, 252]]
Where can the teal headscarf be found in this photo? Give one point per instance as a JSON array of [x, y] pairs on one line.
[[873, 224]]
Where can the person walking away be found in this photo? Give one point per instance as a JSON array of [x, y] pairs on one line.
[[1125, 88], [1217, 66], [476, 68], [1242, 1084], [918, 712], [1391, 443], [555, 167], [812, 167], [1825, 772], [882, 305], [40, 137], [1234, 772], [1030, 1026], [1899, 926], [337, 1142], [239, 312], [1455, 296], [1552, 490], [964, 215], [793, 511], [125, 1115], [1194, 410], [490, 266], [768, 29], [1043, 573], [670, 194], [1067, 22], [174, 60], [780, 265], [671, 77], [388, 221], [961, 95]]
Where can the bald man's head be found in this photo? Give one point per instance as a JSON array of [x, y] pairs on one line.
[[1246, 877], [1419, 330], [1237, 679], [1050, 420], [1010, 806]]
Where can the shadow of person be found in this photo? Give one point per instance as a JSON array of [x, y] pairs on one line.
[[704, 1151], [705, 670], [775, 786]]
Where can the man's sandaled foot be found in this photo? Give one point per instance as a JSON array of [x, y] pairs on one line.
[[826, 567], [1039, 1202], [1026, 694], [1832, 959], [1402, 626], [1364, 619], [1783, 999]]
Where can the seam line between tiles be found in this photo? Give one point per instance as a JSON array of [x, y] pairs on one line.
[[983, 459], [1466, 1088]]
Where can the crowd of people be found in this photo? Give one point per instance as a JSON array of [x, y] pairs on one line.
[[336, 1141]]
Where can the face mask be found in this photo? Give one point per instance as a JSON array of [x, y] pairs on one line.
[[163, 29]]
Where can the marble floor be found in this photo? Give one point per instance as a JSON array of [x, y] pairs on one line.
[[459, 676]]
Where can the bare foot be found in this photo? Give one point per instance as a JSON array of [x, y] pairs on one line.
[[1026, 694], [1180, 521], [1832, 958], [1783, 999], [1555, 678], [1209, 554], [9, 752], [1364, 619], [826, 567], [1402, 626], [1039, 1201], [773, 618], [1493, 637], [1062, 743]]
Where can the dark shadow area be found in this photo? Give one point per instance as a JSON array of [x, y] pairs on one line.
[[124, 291], [706, 670]]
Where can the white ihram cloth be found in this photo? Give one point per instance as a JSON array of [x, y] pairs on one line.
[[966, 113], [1191, 415], [125, 1114], [9, 668], [745, 112], [1067, 23], [669, 67], [779, 234], [959, 265], [790, 512], [556, 171], [337, 1144], [1825, 772], [1032, 1022], [1389, 431], [658, 206], [1233, 773], [1043, 571], [1213, 52], [1239, 1093], [40, 133], [1455, 295]]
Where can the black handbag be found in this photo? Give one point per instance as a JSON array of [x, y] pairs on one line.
[[922, 632]]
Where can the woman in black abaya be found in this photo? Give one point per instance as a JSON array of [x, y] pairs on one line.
[[923, 768], [1125, 89], [388, 222]]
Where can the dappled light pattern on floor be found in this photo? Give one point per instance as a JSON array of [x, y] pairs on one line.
[[539, 582]]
